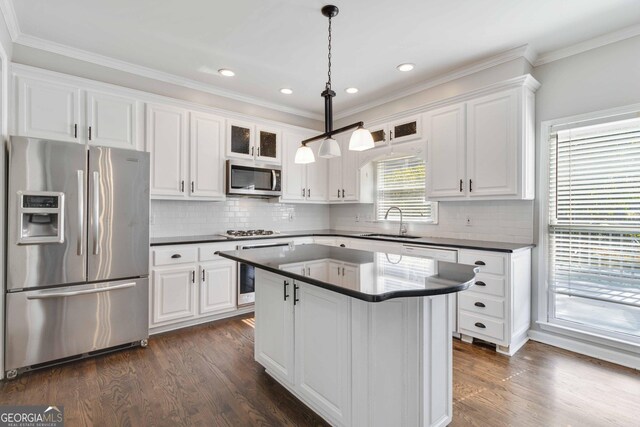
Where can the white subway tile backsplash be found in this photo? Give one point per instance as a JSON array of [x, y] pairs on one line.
[[185, 218], [505, 221]]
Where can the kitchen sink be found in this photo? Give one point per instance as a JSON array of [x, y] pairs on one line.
[[394, 236]]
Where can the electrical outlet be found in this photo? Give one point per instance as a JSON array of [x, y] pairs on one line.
[[468, 222], [357, 217]]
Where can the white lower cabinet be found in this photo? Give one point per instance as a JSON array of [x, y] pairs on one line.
[[497, 307], [322, 351], [215, 293], [174, 294], [356, 363], [302, 339], [190, 285]]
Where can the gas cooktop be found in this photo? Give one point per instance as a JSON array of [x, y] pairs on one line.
[[243, 234]]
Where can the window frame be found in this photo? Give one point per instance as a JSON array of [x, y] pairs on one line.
[[434, 204], [542, 253]]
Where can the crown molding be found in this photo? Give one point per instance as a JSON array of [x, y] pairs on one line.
[[594, 43], [10, 18], [105, 61], [523, 51]]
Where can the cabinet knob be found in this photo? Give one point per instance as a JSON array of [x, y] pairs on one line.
[[480, 325], [342, 245], [479, 304]]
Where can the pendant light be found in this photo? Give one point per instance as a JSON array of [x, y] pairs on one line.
[[360, 140]]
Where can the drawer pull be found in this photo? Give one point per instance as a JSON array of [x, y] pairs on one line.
[[176, 256], [480, 304], [342, 245], [480, 325], [479, 283], [479, 263]]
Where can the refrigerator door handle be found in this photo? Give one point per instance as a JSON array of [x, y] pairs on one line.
[[96, 211], [80, 210], [49, 294]]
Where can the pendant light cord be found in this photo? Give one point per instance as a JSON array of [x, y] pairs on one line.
[[329, 58]]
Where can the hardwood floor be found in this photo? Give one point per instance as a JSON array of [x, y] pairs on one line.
[[205, 376]]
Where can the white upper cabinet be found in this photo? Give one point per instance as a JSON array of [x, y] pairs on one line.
[[206, 136], [348, 180], [405, 130], [48, 109], [253, 142], [302, 183], [483, 148], [112, 120], [492, 144], [167, 143], [268, 145], [63, 109], [445, 134]]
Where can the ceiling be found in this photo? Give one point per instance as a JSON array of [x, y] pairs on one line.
[[272, 44]]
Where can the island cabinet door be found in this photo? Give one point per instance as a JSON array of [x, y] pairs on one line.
[[323, 352], [274, 325]]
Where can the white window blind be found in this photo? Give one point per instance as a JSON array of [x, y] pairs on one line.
[[594, 226], [401, 182]]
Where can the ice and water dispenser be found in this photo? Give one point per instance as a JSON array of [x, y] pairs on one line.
[[41, 217]]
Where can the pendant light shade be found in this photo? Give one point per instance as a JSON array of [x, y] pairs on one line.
[[304, 155], [329, 148], [361, 140]]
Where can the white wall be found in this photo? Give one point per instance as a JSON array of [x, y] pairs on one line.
[[599, 79], [180, 218]]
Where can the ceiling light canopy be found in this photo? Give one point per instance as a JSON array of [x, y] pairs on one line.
[[351, 90], [330, 148], [405, 67], [226, 72], [286, 91]]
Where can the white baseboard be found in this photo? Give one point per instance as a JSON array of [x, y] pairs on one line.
[[593, 350]]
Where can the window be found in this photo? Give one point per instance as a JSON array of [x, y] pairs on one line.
[[594, 227], [400, 182]]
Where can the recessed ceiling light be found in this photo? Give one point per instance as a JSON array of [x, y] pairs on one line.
[[405, 67], [286, 91], [226, 72], [351, 90]]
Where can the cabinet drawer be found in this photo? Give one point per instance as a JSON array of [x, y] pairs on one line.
[[490, 285], [208, 252], [175, 255], [481, 326], [470, 301], [488, 262]]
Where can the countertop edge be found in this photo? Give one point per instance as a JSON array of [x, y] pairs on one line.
[[351, 293], [347, 235]]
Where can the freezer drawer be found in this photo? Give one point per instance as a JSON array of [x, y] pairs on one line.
[[55, 323]]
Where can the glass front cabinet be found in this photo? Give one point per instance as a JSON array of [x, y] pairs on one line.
[[253, 142]]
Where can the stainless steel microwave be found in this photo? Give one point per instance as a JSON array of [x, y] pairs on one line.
[[248, 179]]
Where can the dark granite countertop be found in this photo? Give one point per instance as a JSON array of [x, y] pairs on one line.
[[380, 276], [427, 241]]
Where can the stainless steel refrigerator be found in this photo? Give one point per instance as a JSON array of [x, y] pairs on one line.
[[77, 251]]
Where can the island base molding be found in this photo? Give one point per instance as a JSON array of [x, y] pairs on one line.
[[353, 362]]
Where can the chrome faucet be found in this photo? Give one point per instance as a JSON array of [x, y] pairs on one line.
[[403, 230]]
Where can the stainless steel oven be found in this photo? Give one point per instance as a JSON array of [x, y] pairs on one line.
[[248, 179], [247, 274]]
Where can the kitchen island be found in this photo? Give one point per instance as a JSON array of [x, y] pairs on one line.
[[363, 338]]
